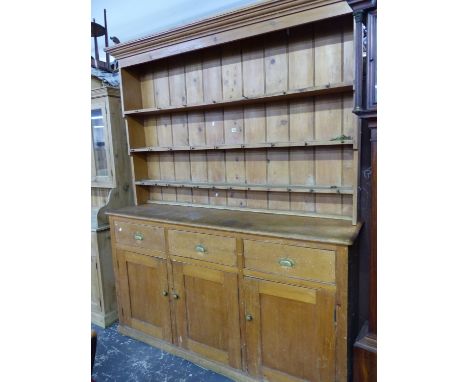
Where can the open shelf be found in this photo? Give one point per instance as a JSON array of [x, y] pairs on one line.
[[285, 95], [335, 142], [247, 187], [265, 124]]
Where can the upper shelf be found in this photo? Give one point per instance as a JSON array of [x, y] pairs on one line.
[[296, 93]]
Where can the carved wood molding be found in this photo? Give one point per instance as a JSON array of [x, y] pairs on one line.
[[249, 21], [358, 5], [105, 91]]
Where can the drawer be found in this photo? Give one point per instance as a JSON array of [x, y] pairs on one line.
[[139, 235], [201, 246], [290, 260]]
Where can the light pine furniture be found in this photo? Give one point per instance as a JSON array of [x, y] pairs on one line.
[[238, 252], [110, 187], [249, 295]]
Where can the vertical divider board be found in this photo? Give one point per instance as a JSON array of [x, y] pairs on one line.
[[139, 167], [315, 54]]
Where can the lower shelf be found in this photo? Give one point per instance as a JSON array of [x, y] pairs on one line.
[[227, 371], [248, 187]]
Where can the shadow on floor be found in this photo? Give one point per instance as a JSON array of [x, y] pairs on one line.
[[123, 359]]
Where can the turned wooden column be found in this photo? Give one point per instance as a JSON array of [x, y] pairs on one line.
[[358, 63]]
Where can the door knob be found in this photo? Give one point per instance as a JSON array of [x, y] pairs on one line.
[[248, 317], [165, 293], [175, 295]]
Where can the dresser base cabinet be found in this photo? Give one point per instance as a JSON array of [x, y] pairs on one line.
[[266, 302]]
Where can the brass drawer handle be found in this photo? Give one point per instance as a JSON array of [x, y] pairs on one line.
[[200, 248], [138, 236], [284, 262], [248, 317]]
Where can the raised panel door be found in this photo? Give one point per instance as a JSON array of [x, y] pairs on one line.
[[207, 312], [290, 332], [145, 294]]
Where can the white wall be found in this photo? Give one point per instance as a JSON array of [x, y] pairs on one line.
[[133, 19]]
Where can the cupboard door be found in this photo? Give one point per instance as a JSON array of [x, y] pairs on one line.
[[145, 294], [96, 304], [101, 158], [96, 301], [290, 332], [207, 312]]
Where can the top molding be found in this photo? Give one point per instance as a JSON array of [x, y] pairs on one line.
[[361, 5], [105, 91], [256, 19]]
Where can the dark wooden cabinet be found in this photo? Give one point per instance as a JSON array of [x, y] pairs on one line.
[[365, 97], [144, 294], [371, 55]]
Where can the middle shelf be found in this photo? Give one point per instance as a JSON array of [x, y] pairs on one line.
[[341, 140], [317, 121]]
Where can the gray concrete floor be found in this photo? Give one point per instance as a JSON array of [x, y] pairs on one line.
[[123, 359]]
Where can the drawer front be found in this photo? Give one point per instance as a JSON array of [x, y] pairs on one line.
[[289, 260], [200, 246], [139, 235]]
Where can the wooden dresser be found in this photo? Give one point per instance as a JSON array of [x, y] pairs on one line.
[[110, 188], [245, 155], [241, 293]]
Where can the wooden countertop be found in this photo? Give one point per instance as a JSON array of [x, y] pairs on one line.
[[332, 231]]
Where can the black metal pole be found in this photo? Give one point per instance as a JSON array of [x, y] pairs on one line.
[[107, 40], [96, 49]]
